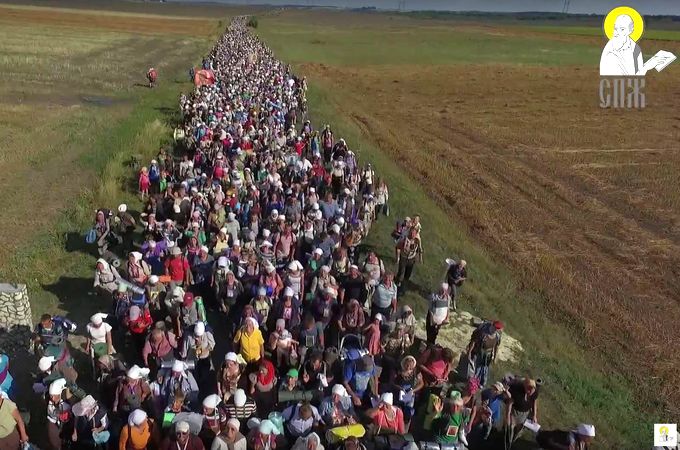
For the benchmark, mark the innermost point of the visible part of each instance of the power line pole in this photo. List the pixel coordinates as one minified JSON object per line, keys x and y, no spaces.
{"x":565,"y":8}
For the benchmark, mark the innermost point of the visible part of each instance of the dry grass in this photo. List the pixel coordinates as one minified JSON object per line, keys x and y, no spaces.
{"x":582,"y":202}
{"x":105,"y":21}
{"x":175,"y":10}
{"x":49,"y":127}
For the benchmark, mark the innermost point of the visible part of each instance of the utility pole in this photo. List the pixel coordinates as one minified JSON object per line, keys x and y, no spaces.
{"x":565,"y":8}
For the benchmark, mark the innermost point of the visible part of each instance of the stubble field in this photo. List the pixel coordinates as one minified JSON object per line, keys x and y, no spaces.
{"x":500,"y":125}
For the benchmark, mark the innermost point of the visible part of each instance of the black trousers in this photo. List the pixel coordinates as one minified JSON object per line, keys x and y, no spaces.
{"x":431,"y":330}
{"x":405,"y":269}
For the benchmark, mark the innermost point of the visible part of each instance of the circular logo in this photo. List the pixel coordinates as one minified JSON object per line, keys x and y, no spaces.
{"x":610,"y":22}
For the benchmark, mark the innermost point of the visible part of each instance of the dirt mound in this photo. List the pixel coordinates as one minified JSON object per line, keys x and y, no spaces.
{"x":456,"y":336}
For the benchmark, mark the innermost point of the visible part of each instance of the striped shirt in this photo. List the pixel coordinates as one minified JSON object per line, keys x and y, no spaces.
{"x":244,"y":412}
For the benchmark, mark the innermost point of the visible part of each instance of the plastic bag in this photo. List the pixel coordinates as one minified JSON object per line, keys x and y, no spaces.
{"x":91,"y":236}
{"x":102,"y":437}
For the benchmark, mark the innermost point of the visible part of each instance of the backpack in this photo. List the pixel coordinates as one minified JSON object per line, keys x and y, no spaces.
{"x":466,"y":367}
{"x":154,"y":173}
{"x":485,"y":341}
{"x":67,"y":325}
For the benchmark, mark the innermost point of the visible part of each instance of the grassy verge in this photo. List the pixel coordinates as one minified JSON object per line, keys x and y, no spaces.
{"x":80,"y":163}
{"x":575,"y":389}
{"x":57,"y":265}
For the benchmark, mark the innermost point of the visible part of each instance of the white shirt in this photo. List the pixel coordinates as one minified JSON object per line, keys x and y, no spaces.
{"x":98,"y":334}
{"x":437,"y":309}
{"x":294,"y":422}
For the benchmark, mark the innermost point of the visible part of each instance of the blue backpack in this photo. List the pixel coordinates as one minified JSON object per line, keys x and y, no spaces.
{"x":154,"y":173}
{"x":67,"y":325}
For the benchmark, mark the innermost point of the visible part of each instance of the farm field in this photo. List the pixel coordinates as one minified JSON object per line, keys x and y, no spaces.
{"x":568,"y":215}
{"x":63,"y":94}
{"x":74,"y":107}
{"x":494,"y":130}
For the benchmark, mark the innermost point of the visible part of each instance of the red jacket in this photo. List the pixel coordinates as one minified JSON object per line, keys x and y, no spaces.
{"x":140,"y":325}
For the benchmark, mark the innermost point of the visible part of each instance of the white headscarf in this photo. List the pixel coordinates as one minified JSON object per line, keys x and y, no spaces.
{"x":106,"y":269}
{"x":136,"y":418}
{"x":98,"y":318}
{"x":254,"y":321}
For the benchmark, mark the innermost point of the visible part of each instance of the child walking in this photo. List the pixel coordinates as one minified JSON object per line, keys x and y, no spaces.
{"x":144,"y":183}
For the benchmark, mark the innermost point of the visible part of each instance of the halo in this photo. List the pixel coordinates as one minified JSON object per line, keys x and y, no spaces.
{"x":638,"y":22}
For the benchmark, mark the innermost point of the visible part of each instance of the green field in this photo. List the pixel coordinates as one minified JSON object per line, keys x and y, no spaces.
{"x":414,"y":43}
{"x":74,"y":107}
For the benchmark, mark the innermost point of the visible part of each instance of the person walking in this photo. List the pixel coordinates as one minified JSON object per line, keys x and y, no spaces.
{"x":522,"y":404}
{"x":483,"y":348}
{"x":12,"y":428}
{"x":408,"y":251}
{"x":437,"y":313}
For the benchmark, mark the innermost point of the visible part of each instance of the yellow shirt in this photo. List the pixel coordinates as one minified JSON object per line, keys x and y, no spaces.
{"x":220,"y":245}
{"x":138,"y":439}
{"x":250,"y":344}
{"x":7,"y":422}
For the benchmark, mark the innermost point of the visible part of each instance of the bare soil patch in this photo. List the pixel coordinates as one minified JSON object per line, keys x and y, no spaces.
{"x":581,"y":201}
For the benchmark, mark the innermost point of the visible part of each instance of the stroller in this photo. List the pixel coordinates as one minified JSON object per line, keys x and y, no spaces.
{"x":350,"y":346}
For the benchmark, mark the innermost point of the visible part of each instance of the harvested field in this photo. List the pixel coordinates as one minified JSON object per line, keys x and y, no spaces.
{"x":596,"y":230}
{"x":109,"y":21}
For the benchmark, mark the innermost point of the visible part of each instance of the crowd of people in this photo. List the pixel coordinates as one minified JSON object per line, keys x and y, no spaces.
{"x":250,"y":316}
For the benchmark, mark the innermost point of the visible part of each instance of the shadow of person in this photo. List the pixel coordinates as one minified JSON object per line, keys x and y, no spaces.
{"x":75,"y":242}
{"x":78,"y":299}
{"x":362,"y":250}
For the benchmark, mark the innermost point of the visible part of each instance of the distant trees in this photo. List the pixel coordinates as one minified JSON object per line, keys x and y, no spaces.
{"x":252,"y":22}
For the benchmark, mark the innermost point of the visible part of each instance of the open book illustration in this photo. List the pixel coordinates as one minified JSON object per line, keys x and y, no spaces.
{"x":659,"y":61}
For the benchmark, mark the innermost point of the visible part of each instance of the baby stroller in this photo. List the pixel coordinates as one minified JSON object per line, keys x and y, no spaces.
{"x":351,"y":343}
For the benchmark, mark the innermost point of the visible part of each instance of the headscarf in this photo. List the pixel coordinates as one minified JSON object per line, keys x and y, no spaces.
{"x":354,"y":314}
{"x":107,"y":271}
{"x":254,"y":322}
{"x":271,"y":373}
{"x":136,"y":418}
{"x":98,"y":318}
